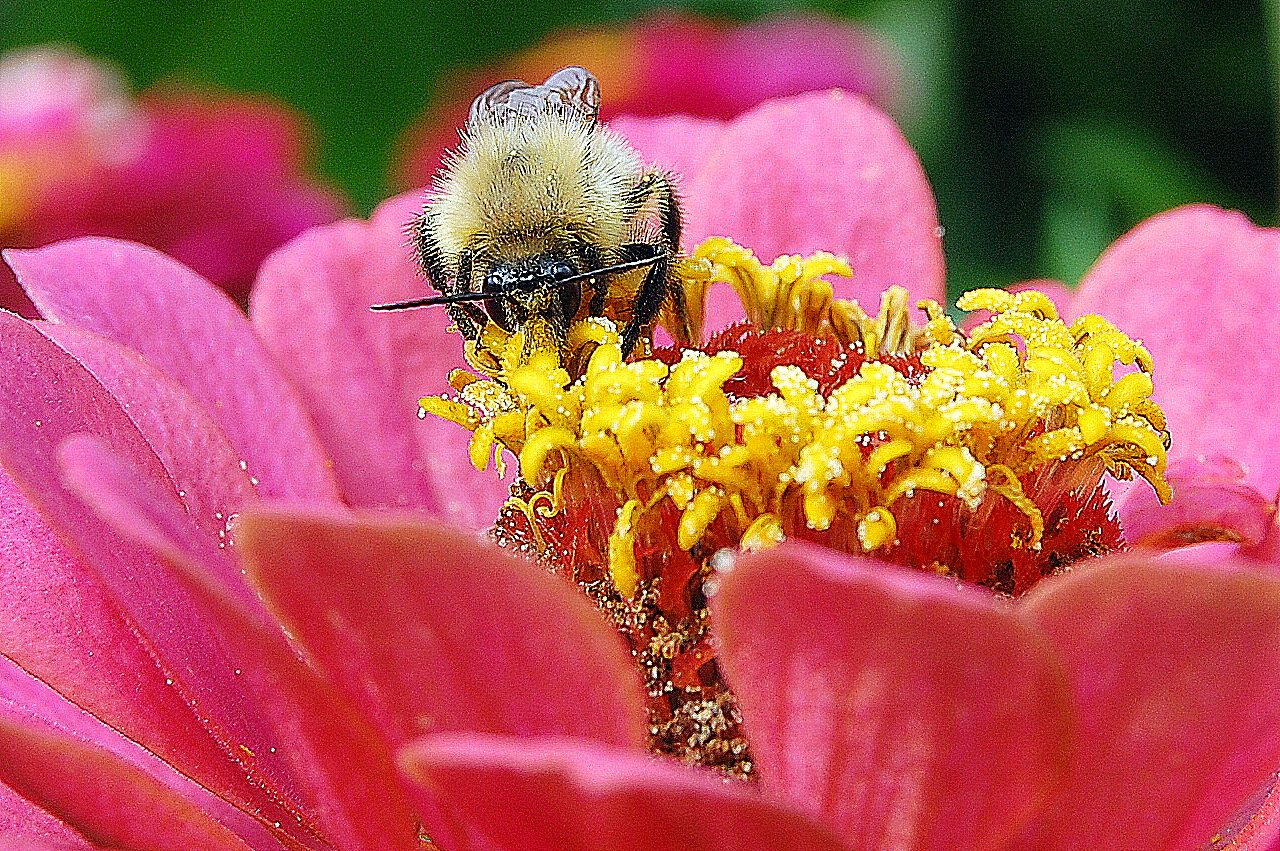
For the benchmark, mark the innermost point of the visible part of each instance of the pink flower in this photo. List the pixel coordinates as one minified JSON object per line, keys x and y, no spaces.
{"x":215,"y":180}
{"x":179,"y":535}
{"x":676,"y":63}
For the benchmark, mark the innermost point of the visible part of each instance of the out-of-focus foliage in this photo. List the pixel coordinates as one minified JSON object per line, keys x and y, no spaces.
{"x":1046,"y":127}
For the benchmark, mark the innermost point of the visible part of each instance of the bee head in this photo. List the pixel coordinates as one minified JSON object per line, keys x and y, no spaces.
{"x":547,"y":286}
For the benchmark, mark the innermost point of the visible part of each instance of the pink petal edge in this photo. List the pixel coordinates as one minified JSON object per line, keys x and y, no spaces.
{"x":179,"y":629}
{"x":362,"y":372}
{"x":904,"y":709}
{"x":1173,"y":665}
{"x":674,"y":143}
{"x":69,"y":574}
{"x":26,"y":826}
{"x":1200,"y":287}
{"x":199,"y":459}
{"x":334,"y":760}
{"x":191,"y":331}
{"x":552,"y":794}
{"x":429,"y":629}
{"x":824,"y":171}
{"x":1212,"y":500}
{"x":113,"y":803}
{"x":29,"y":703}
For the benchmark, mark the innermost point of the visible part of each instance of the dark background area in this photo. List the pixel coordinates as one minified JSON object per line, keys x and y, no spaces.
{"x":1047,"y":128}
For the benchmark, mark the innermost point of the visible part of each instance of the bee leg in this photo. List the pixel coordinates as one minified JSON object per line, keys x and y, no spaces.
{"x":599,"y":285}
{"x":671,"y":219}
{"x":669,"y":215}
{"x":682,"y":335}
{"x":653,"y":292}
{"x":468,"y":317}
{"x":599,"y":294}
{"x":656,"y":188}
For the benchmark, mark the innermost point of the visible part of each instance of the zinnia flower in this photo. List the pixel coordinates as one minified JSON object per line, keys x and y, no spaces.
{"x":186,"y":666}
{"x":215,"y":180}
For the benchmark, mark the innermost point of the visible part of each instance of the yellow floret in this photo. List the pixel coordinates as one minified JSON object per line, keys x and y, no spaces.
{"x":1021,"y":391}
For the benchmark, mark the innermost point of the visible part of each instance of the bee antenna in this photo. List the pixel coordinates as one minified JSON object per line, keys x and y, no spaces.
{"x":609,"y":270}
{"x":460,"y":298}
{"x":456,"y":298}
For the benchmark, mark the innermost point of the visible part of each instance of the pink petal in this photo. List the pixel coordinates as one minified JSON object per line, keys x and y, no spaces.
{"x":821,"y":171}
{"x":1211,"y":501}
{"x":193,"y":333}
{"x":61,"y":622}
{"x":112,"y":803}
{"x":46,"y":396}
{"x":24,"y":843}
{"x":344,"y":765}
{"x":195,"y":452}
{"x":675,"y":143}
{"x":428,"y":628}
{"x":29,"y":703}
{"x":1201,"y":287}
{"x":64,"y":120}
{"x":335,"y":758}
{"x":362,"y":372}
{"x":1256,"y":827}
{"x":61,"y":626}
{"x":136,"y":509}
{"x":907,"y":710}
{"x":59,"y":102}
{"x":1176,"y":672}
{"x":213,"y":180}
{"x":675,"y":64}
{"x":564,"y":795}
{"x":25,"y":826}
{"x":784,"y":54}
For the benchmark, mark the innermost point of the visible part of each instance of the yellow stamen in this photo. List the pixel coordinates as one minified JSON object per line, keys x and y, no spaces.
{"x":622,"y":551}
{"x":980,"y":416}
{"x":877,"y":529}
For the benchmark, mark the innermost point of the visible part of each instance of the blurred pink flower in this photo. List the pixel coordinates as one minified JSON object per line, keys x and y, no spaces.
{"x":215,"y":180}
{"x":178,"y":485}
{"x":675,"y":63}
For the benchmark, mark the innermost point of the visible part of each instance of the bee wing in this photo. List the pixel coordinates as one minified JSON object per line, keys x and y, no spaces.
{"x":577,"y":88}
{"x":572,"y":92}
{"x":492,"y":102}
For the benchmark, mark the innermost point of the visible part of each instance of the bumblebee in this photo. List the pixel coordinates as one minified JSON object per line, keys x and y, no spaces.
{"x":542,"y":217}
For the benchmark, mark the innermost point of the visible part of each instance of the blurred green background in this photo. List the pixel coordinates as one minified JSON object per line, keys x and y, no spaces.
{"x":1047,"y":128}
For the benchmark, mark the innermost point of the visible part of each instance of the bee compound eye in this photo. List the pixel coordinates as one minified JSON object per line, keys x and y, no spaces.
{"x":497,"y":310}
{"x":570,"y":299}
{"x":498,"y":282}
